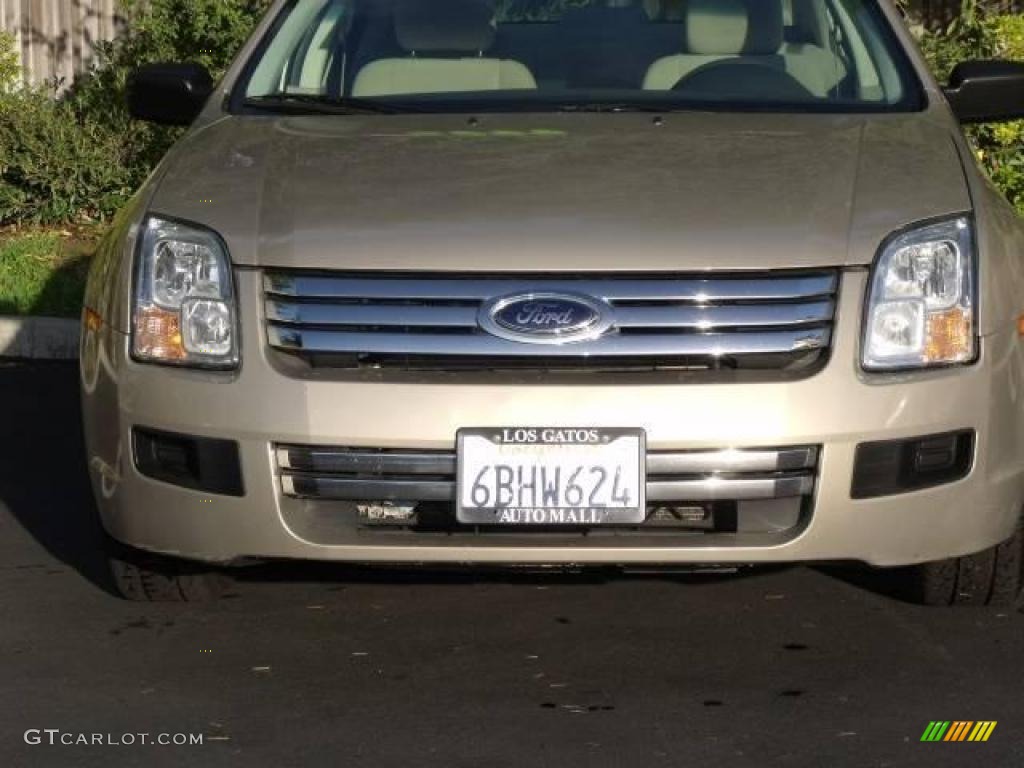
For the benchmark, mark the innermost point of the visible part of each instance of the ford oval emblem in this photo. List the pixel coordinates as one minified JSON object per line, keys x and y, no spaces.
{"x":546,"y":318}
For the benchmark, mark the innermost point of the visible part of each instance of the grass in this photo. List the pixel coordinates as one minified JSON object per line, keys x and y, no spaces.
{"x":42,"y":272}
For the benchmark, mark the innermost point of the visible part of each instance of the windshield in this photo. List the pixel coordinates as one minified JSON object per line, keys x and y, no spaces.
{"x":611,"y":55}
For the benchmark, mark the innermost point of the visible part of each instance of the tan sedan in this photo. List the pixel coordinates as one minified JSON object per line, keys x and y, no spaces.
{"x":705,"y":284}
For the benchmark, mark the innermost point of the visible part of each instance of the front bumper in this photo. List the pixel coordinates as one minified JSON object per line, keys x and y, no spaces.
{"x":836,"y":409}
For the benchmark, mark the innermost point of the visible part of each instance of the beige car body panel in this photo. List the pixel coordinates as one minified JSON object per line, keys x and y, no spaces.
{"x":697,"y":193}
{"x":412,"y":192}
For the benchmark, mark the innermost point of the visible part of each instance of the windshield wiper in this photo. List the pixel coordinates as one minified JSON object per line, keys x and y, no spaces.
{"x":599,"y":106}
{"x":306,"y":103}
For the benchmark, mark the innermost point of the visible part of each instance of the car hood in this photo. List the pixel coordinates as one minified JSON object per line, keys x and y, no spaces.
{"x":602,"y":192}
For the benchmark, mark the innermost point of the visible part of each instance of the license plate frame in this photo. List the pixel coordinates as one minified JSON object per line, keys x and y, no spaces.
{"x":559,"y":515}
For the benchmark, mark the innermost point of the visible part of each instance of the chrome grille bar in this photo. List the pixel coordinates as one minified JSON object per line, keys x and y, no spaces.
{"x":312,"y":459}
{"x":454,"y":316}
{"x":729,"y":489}
{"x":361,"y":489}
{"x":611,"y":288}
{"x":705,"y":462}
{"x":724,"y":317}
{"x":379,"y":314}
{"x":612,"y":345}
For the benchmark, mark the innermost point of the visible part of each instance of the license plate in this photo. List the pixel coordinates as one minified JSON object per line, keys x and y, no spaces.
{"x":551,"y":476}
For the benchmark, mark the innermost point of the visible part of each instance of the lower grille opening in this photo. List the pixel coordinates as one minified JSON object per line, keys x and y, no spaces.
{"x":334,"y":492}
{"x":728,"y":523}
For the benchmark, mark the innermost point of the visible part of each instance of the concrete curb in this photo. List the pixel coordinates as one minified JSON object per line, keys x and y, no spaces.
{"x":39,"y":338}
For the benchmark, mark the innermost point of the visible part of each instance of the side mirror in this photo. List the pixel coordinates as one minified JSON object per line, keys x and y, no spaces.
{"x":171,"y":94}
{"x":987,"y":91}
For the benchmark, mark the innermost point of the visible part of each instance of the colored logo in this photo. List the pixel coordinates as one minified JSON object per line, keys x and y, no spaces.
{"x":958,"y":730}
{"x":546,"y":318}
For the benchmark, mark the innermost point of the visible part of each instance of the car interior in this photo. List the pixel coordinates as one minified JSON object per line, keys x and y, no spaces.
{"x":781,"y":50}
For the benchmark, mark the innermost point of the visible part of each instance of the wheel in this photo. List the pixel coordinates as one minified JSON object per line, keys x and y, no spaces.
{"x":144,"y":577}
{"x":994,"y":578}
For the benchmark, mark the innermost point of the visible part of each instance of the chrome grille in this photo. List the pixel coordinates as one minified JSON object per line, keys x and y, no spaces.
{"x":348,"y":474}
{"x":772,"y":320}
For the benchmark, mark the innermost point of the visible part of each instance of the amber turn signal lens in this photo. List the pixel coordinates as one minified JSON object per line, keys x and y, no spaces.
{"x":158,"y":334}
{"x":93,"y":321}
{"x":949,"y":337}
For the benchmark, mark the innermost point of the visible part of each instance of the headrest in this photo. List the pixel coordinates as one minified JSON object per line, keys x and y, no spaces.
{"x":444,"y":25}
{"x":732,"y":27}
{"x":810,"y":22}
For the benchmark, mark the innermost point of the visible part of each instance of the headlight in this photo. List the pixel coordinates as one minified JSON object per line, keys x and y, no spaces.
{"x":920,"y":311}
{"x":184,"y":309}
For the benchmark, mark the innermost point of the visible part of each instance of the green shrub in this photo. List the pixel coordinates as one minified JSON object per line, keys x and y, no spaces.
{"x":80,"y":156}
{"x":56,"y":165}
{"x":10,"y":71}
{"x":979,"y":35}
{"x":209,"y":32}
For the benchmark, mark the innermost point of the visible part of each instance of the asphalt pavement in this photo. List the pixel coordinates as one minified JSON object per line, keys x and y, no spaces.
{"x":310,"y":665}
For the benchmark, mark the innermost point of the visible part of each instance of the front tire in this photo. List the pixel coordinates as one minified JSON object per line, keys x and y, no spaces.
{"x":993,"y":578}
{"x":145,"y":577}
